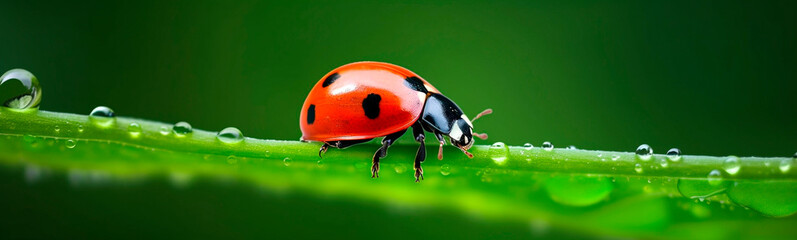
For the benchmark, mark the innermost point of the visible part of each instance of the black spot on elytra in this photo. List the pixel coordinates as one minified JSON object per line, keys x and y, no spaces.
{"x":416,"y":84}
{"x":311,"y":114}
{"x":330,"y":79}
{"x":371,"y":105}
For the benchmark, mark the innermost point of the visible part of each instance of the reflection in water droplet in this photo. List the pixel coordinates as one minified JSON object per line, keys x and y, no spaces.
{"x":102,"y":116}
{"x":164,"y":130}
{"x":180,"y":129}
{"x":230,"y":135}
{"x":638,"y":168}
{"x":547,"y":146}
{"x":134,"y":129}
{"x":785,"y":165}
{"x":287,"y":161}
{"x":70,"y":143}
{"x":674,"y":154}
{"x":714,"y":177}
{"x":19,"y":90}
{"x":498,"y":152}
{"x":644,"y":152}
{"x":445,"y":170}
{"x":732,"y":165}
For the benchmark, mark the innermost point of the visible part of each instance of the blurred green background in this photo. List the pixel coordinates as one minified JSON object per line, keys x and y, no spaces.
{"x":708,"y":78}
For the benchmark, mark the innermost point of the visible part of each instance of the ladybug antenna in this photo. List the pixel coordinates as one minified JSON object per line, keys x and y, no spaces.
{"x":485,"y":112}
{"x":482,"y":136}
{"x":470,"y":155}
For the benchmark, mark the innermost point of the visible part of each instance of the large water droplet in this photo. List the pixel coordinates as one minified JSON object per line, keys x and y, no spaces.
{"x":230,"y":135}
{"x":182,"y":128}
{"x":638,"y":168}
{"x":732,"y":165}
{"x":102,"y":116}
{"x":134,"y":129}
{"x":644,"y":152}
{"x":785,"y":165}
{"x":70,"y":143}
{"x":714,"y":177}
{"x":19,"y":89}
{"x":674,"y":154}
{"x":445,"y":169}
{"x":498,"y":152}
{"x":528,"y":146}
{"x":287,"y":161}
{"x":547,"y":146}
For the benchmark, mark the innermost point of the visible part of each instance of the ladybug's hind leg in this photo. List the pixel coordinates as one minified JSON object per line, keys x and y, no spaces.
{"x":382,"y":151}
{"x":323,"y":150}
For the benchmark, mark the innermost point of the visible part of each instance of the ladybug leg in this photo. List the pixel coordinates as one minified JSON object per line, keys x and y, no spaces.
{"x":417,"y":131}
{"x":382,"y":151}
{"x":442,"y":142}
{"x":323,"y":149}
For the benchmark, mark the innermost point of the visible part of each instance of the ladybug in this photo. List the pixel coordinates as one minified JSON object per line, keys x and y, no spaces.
{"x":360,"y":101}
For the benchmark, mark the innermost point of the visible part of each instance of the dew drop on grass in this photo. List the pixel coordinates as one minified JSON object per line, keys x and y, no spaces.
{"x":638,"y":168}
{"x":320,"y":163}
{"x":547,"y":146}
{"x":528,"y":146}
{"x":230,"y":135}
{"x":400,"y":169}
{"x":164,"y":130}
{"x":732,"y":165}
{"x":287,"y":161}
{"x":615,"y":157}
{"x":70,"y":143}
{"x":102,"y":116}
{"x":57,"y":129}
{"x":232,"y":159}
{"x":674,"y":154}
{"x":785,"y":165}
{"x":181,"y":129}
{"x":445,"y":170}
{"x":80,"y":128}
{"x":498,"y":152}
{"x":644,"y":152}
{"x":714,"y":177}
{"x":20,"y":90}
{"x":134,"y":129}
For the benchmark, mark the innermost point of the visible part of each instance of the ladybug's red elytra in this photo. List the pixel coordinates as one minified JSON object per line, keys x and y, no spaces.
{"x":361,"y":101}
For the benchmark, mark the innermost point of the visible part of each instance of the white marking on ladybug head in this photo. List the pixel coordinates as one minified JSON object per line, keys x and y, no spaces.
{"x":467,"y":120}
{"x":455,"y":133}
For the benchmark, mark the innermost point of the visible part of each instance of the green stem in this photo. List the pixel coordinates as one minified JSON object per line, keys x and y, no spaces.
{"x":44,"y":123}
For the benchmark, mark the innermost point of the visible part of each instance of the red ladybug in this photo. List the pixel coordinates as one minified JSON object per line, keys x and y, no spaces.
{"x":361,"y":101}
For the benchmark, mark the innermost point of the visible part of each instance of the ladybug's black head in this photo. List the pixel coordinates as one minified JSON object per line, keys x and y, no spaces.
{"x":444,"y":116}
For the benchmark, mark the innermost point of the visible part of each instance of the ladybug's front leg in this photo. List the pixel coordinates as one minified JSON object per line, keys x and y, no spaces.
{"x":417,"y":132}
{"x":382,"y":151}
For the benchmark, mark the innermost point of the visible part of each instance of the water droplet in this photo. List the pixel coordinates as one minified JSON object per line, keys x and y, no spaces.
{"x":528,"y":146}
{"x":638,"y":168}
{"x":287,"y":161}
{"x":320,"y":163}
{"x":70,"y":143}
{"x":102,"y":116}
{"x":674,"y":154}
{"x":400,"y":169}
{"x":57,"y":129}
{"x":663,"y":163}
{"x":547,"y":146}
{"x":19,"y":89}
{"x":644,"y":152}
{"x":571,"y":147}
{"x":732,"y":165}
{"x":80,"y":128}
{"x":785,"y":165}
{"x":182,"y":128}
{"x":134,"y":129}
{"x":445,"y":170}
{"x":230,"y":135}
{"x":498,"y":152}
{"x":164,"y":130}
{"x":232,"y":159}
{"x":714,"y":177}
{"x":615,"y":157}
